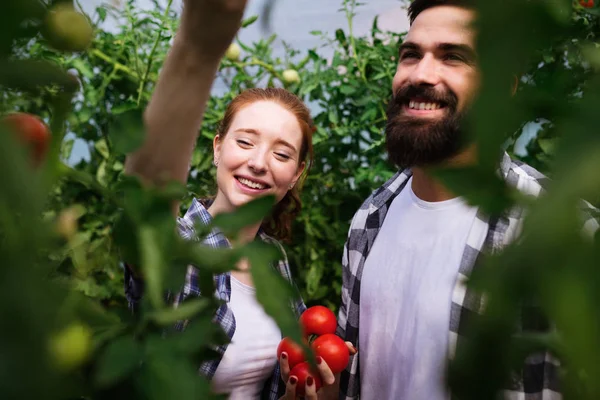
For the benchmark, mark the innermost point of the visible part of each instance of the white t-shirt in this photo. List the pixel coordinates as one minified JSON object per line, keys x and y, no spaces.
{"x":405,"y":298}
{"x":252,"y":354}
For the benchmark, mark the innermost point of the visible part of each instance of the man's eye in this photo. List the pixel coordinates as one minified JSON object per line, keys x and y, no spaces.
{"x":409,"y":54}
{"x":454,"y":57}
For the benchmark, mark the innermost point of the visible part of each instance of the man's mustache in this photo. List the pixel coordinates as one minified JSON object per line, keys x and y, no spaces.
{"x":428,"y":94}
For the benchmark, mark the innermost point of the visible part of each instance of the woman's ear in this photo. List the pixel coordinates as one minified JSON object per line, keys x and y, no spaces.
{"x":216,"y":149}
{"x":301,"y":168}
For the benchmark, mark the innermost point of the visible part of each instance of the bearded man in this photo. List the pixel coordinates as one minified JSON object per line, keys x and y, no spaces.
{"x":413,"y":242}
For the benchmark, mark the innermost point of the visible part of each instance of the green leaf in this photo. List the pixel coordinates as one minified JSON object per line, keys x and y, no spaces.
{"x":119,"y":359}
{"x":480,"y":187}
{"x":248,"y":214}
{"x":153,"y":264}
{"x":273,"y":292}
{"x":347,"y":90}
{"x":102,"y":148}
{"x":66,"y":149}
{"x":173,"y":378}
{"x":121,"y":108}
{"x":184,"y":311}
{"x":126,"y":132}
{"x":548,"y":146}
{"x":200,"y":332}
{"x":249,"y":21}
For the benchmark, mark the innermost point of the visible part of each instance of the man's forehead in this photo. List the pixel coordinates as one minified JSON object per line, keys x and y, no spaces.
{"x":448,"y":24}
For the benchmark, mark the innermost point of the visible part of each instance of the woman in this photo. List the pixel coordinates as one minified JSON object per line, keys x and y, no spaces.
{"x":263,"y":146}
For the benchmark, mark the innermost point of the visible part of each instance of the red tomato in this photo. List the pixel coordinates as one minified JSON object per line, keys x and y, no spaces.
{"x":318,"y":320}
{"x":293,"y":350}
{"x":587,"y":3}
{"x":32,"y":131}
{"x":333,"y":350}
{"x":302,"y":371}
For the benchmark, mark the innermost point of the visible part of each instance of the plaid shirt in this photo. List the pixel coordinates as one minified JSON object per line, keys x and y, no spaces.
{"x":539,"y":375}
{"x":197,"y":214}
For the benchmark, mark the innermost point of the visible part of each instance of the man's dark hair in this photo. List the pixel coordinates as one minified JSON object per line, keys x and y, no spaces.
{"x":418,"y":6}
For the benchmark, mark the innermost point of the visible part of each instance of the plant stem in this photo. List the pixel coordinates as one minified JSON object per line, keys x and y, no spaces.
{"x":116,"y":64}
{"x":152,"y":52}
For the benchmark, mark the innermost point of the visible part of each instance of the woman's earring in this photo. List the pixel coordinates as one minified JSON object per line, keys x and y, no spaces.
{"x":291,"y":186}
{"x":215,"y":163}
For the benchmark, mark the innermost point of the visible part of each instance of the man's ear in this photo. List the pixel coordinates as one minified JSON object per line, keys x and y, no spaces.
{"x":515,"y":85}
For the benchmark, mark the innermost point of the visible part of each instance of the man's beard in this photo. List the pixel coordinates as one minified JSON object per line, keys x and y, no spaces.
{"x":413,"y":141}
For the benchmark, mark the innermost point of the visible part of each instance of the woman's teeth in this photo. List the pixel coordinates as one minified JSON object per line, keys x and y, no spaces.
{"x":252,"y":184}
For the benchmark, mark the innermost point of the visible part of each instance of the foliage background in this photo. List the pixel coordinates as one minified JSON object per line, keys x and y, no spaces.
{"x":348,"y":90}
{"x":556,"y":57}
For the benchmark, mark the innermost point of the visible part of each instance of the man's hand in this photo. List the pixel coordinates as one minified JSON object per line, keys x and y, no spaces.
{"x":210,"y":25}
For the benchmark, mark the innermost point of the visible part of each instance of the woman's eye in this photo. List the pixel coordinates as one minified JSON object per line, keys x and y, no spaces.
{"x":282,"y":156}
{"x":243,"y":143}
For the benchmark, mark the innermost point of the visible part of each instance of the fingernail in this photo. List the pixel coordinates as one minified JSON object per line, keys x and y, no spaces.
{"x":319,"y":360}
{"x":354,"y":349}
{"x":284,"y":356}
{"x":310,"y":381}
{"x":293,"y":380}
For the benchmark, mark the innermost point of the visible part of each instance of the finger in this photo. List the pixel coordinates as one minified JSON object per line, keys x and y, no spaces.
{"x":284,"y":366}
{"x":326,"y":375}
{"x":351,"y":348}
{"x":310,"y":389}
{"x":290,"y":388}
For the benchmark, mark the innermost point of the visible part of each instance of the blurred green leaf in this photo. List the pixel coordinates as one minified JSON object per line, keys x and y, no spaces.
{"x":120,"y":358}
{"x":246,"y":215}
{"x":184,"y":311}
{"x":127,"y":130}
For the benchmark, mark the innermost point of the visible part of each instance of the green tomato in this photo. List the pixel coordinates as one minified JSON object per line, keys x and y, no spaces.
{"x":71,"y":347}
{"x":67,"y":30}
{"x":290,"y":76}
{"x":233,"y":52}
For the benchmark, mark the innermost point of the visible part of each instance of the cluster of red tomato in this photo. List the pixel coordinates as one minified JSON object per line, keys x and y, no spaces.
{"x":586,"y":3}
{"x":318,"y":325}
{"x":32,"y":132}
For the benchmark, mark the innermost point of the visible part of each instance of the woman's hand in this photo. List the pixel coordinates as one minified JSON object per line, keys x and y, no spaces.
{"x":330,"y":388}
{"x":174,"y":114}
{"x":209,"y":26}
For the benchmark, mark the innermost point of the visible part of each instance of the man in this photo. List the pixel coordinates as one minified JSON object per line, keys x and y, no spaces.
{"x":412,"y":243}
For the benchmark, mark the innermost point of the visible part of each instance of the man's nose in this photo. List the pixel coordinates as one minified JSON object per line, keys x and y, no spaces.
{"x":426,"y":72}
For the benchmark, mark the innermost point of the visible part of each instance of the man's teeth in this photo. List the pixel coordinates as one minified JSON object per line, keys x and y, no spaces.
{"x":252,"y":184}
{"x":423,"y":106}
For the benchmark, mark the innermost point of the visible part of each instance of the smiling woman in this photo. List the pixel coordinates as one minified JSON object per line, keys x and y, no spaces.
{"x":263,"y":146}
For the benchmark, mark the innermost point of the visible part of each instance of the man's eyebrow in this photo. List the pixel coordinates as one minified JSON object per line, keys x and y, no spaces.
{"x":462,"y":48}
{"x":465,"y":49}
{"x":408,"y":46}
